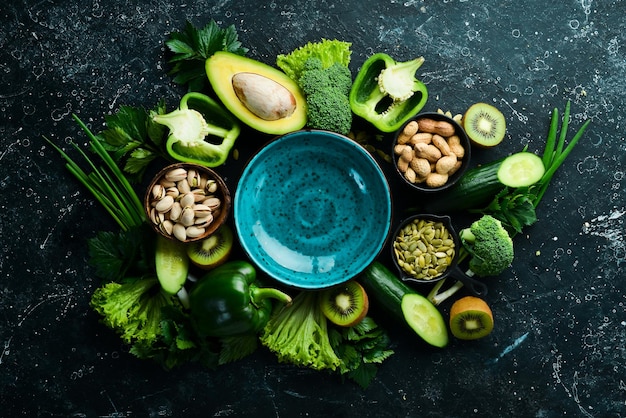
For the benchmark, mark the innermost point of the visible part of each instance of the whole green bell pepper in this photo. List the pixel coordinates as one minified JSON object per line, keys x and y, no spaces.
{"x":201,"y":130}
{"x":227,"y":301}
{"x":386,"y":93}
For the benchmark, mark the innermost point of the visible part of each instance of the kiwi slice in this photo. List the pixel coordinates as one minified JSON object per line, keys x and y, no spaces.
{"x":484,"y":125}
{"x":213,"y":250}
{"x":344,"y":305}
{"x":470,"y":318}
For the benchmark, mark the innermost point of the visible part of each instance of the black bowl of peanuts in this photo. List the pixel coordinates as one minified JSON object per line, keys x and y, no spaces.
{"x":431,"y":152}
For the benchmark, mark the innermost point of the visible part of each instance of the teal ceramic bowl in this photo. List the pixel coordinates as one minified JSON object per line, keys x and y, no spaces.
{"x":312,"y":209}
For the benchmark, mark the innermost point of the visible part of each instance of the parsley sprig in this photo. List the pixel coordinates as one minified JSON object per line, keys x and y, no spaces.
{"x":193,"y":46}
{"x":361,"y":348}
{"x":134,"y":139}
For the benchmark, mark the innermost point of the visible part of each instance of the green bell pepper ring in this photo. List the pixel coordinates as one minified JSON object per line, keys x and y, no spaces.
{"x":227,"y":301}
{"x":386,"y":93}
{"x":201,"y":130}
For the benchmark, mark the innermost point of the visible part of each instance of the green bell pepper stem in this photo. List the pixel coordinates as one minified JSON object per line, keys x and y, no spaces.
{"x":201,"y":130}
{"x":259,"y":294}
{"x":227,"y":301}
{"x":386,"y":93}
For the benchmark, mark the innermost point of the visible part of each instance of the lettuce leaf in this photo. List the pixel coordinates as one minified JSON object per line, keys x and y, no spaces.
{"x":328,"y":51}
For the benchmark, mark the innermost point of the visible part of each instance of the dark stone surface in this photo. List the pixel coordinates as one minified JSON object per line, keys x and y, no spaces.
{"x":559,"y":344}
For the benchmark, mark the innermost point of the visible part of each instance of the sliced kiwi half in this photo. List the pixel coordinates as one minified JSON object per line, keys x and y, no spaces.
{"x":470,"y":318}
{"x":484,"y":125}
{"x":345,"y":304}
{"x":213,"y":250}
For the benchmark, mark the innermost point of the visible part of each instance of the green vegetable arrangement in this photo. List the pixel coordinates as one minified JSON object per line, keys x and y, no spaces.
{"x":514,"y":208}
{"x":149,"y":295}
{"x":321,"y":70}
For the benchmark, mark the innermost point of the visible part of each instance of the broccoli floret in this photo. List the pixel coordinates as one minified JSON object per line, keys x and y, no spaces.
{"x":326,"y":91}
{"x":490,"y":246}
{"x":340,"y":77}
{"x":328,"y":113}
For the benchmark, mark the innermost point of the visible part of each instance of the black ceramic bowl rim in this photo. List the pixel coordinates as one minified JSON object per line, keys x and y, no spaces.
{"x":222,"y":190}
{"x":476,"y":287}
{"x":465,"y":161}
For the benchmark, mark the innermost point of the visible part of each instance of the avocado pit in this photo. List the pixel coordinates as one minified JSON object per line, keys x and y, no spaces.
{"x":266,"y":98}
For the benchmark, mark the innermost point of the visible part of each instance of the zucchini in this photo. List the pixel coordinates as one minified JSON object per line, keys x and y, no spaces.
{"x":479,"y":185}
{"x":405,"y":304}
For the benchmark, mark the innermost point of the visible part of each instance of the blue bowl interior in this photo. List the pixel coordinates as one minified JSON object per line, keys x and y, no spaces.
{"x":312,"y":209}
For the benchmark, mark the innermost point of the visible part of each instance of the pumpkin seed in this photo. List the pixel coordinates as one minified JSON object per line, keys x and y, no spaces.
{"x":424,"y":249}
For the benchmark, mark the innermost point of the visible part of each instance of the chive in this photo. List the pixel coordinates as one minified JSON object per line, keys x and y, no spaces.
{"x":107,"y":184}
{"x":548,"y":152}
{"x":564,"y":126}
{"x":104,"y":155}
{"x":559,"y":154}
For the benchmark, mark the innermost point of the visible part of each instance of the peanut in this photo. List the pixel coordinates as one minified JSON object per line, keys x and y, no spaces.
{"x":403,"y":165}
{"x":445,"y":164}
{"x":423,"y":137}
{"x":454,"y":143}
{"x":440,"y":127}
{"x":407,"y":154}
{"x":436,"y":180}
{"x":455,"y":168}
{"x":410,"y":175}
{"x":442,"y":144}
{"x":409,"y":130}
{"x":399,"y":148}
{"x":421,"y":166}
{"x":430,"y":152}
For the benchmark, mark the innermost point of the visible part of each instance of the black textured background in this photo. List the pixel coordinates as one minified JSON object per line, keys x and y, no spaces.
{"x":559,"y":344}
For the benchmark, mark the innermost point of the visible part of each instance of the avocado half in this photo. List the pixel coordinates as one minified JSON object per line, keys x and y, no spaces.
{"x":222,"y":66}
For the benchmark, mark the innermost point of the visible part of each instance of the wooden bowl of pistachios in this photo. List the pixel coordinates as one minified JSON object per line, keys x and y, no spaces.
{"x":187,"y":202}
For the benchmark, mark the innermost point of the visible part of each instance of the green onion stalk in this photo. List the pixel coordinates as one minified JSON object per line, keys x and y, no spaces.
{"x":106,"y":183}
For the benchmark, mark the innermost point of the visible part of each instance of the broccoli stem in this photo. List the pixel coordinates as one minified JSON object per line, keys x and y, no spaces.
{"x":183,"y":296}
{"x":437,"y":297}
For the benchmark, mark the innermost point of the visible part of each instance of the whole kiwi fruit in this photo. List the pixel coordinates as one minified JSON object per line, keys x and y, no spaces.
{"x":345,"y":304}
{"x":213,"y":250}
{"x":470,"y":318}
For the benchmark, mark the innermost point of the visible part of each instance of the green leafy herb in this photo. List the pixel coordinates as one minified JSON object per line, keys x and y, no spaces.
{"x":134,"y":139}
{"x":116,"y":255}
{"x":106,"y":183}
{"x":361,"y":349}
{"x":237,"y":347}
{"x":177,"y":343}
{"x":514,"y":210}
{"x":193,"y":46}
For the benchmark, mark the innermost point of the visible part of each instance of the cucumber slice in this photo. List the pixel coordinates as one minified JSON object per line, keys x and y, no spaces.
{"x":172,"y":264}
{"x":425,"y":319}
{"x":522,"y":169}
